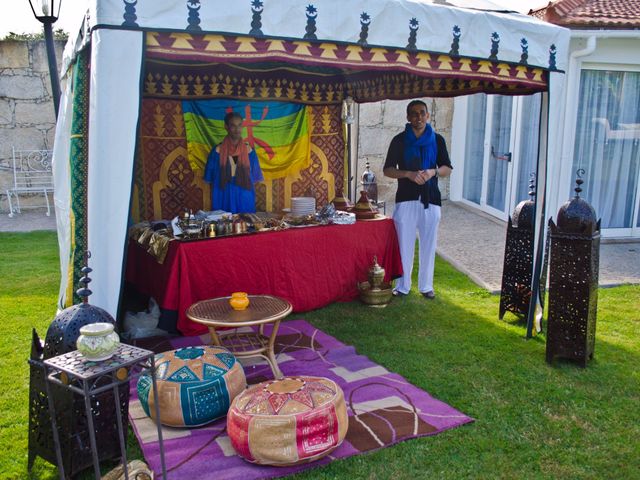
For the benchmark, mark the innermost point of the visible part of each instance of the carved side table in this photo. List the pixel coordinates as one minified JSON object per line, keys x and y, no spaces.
{"x":88,"y":378}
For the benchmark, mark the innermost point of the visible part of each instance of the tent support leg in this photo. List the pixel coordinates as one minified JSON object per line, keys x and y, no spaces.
{"x":540,"y":213}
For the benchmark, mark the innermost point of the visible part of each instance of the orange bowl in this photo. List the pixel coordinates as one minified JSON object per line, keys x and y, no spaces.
{"x":239,"y":300}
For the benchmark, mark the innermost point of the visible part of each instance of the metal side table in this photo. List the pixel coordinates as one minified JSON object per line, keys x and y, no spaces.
{"x":88,"y":378}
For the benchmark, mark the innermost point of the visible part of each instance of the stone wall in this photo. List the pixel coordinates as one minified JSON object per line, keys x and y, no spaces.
{"x":27,"y":118}
{"x":379,"y":122}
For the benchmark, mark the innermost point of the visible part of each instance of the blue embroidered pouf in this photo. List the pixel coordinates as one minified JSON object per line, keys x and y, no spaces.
{"x":195,"y":385}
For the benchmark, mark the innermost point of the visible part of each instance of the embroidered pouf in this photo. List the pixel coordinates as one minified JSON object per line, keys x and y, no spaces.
{"x":195,"y":385}
{"x":288,"y":421}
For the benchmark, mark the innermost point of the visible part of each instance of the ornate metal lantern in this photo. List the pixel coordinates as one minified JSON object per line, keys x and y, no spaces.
{"x":71,"y":419}
{"x":369,"y":183}
{"x":573,"y":280}
{"x":517,"y":270}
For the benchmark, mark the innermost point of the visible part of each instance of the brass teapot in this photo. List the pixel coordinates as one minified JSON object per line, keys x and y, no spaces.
{"x":376,"y":274}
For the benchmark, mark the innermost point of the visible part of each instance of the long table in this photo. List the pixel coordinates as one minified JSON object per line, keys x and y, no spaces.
{"x":310,"y":267}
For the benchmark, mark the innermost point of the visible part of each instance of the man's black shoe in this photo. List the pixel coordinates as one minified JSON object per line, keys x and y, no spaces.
{"x":429,"y":295}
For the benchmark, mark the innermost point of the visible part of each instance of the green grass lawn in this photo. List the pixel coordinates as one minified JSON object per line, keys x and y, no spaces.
{"x":532,"y":420}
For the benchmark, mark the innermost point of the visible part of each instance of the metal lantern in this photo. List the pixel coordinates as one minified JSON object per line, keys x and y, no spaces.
{"x":517,"y":270}
{"x":573,"y":280}
{"x":65,"y":328}
{"x":369,"y":183}
{"x":70,"y":410}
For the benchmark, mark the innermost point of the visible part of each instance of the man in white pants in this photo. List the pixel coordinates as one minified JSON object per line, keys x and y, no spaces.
{"x":416,"y":158}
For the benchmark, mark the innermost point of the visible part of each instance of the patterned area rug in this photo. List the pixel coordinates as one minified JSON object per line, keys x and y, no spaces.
{"x":383,"y":409}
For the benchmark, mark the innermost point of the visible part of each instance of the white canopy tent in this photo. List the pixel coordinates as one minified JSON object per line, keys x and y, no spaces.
{"x":483,"y":50}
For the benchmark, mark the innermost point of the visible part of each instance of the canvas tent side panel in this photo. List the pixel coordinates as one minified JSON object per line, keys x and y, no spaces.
{"x":113,"y":116}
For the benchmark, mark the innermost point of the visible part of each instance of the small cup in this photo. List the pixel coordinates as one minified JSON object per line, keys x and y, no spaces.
{"x":239,"y":300}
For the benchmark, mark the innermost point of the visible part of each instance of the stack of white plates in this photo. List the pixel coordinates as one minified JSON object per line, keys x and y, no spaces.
{"x":301,"y":206}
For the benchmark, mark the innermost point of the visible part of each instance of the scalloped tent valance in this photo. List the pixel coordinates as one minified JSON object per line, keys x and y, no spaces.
{"x":186,"y":65}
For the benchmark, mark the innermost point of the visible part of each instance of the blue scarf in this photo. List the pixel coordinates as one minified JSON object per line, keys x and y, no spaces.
{"x":421,"y":154}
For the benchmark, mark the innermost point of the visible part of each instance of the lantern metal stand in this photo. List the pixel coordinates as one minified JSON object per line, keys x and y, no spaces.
{"x":517,"y":270}
{"x":573,"y":281}
{"x":90,"y":380}
{"x":71,"y":421}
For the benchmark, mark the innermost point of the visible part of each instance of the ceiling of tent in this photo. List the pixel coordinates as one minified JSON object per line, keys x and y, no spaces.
{"x":320,"y":52}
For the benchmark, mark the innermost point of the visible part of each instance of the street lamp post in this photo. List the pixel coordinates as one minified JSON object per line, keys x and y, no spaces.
{"x":46,"y":13}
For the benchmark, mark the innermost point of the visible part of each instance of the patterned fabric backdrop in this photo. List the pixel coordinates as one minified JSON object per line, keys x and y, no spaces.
{"x":164,"y":184}
{"x":186,"y":65}
{"x":78,"y":159}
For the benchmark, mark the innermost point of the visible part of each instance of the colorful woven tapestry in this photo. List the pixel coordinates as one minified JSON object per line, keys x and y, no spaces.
{"x":277,"y":131}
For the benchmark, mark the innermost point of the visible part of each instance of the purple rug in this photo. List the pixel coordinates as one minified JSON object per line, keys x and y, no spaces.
{"x":383,"y":408}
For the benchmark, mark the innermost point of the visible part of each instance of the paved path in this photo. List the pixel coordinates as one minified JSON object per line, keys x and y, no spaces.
{"x":473,"y":243}
{"x":28,"y":221}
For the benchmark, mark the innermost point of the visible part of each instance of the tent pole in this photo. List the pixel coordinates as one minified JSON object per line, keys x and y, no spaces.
{"x":541,"y":189}
{"x":349,"y":167}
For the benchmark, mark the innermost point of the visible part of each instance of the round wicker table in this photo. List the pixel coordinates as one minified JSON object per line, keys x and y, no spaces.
{"x":216,"y":313}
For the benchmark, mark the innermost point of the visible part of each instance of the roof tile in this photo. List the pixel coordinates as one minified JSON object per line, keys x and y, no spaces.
{"x":612,"y":14}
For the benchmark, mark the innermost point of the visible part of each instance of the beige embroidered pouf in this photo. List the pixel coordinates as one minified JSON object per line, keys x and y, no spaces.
{"x":288,"y":421}
{"x":195,"y":385}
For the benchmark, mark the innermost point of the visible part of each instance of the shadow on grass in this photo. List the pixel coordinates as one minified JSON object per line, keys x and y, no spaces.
{"x":456,"y":348}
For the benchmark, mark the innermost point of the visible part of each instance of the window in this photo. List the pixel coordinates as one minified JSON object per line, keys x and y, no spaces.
{"x":607,"y":144}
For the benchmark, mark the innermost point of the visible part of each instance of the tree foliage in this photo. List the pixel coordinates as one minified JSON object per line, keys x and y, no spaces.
{"x":58,"y":34}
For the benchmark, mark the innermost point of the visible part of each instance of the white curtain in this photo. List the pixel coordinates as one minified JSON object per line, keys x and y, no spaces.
{"x":62,"y":183}
{"x":607,"y":144}
{"x":474,"y":148}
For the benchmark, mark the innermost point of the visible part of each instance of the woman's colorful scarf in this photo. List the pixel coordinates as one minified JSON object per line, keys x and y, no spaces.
{"x":241,"y":152}
{"x":421,"y":154}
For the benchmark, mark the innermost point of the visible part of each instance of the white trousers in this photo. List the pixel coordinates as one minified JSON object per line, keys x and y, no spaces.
{"x":410,"y":217}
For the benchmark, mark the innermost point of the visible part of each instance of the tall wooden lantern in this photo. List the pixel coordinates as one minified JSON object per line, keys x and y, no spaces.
{"x":573,"y":281}
{"x":517,"y":269}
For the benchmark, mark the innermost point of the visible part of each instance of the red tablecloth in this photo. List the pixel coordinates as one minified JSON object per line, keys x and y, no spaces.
{"x":310,"y":267}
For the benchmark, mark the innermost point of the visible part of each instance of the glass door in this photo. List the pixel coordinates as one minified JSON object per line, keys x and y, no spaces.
{"x":498,"y":183}
{"x":501,"y":151}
